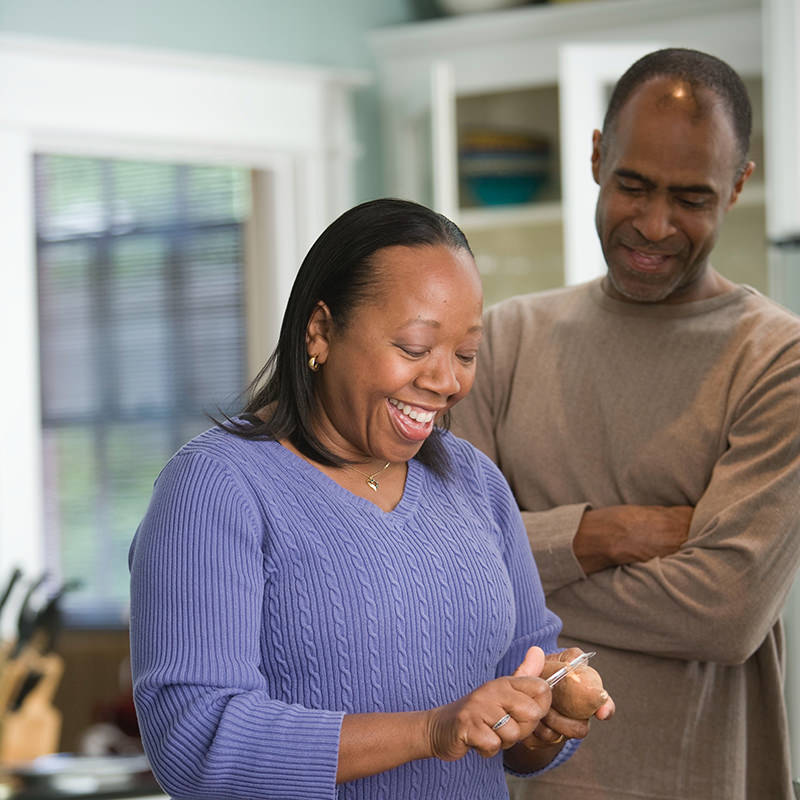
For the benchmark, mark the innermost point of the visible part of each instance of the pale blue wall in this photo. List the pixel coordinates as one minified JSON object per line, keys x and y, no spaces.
{"x":329,"y":32}
{"x":322,"y":32}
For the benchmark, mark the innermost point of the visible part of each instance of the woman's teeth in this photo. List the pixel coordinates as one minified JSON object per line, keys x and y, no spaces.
{"x":415,"y":413}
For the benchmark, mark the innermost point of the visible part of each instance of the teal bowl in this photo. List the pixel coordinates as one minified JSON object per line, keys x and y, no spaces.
{"x":498,"y":190}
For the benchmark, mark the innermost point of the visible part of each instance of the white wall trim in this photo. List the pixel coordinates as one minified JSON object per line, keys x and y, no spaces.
{"x":291,"y":123}
{"x":781,"y":32}
{"x":585,"y":71}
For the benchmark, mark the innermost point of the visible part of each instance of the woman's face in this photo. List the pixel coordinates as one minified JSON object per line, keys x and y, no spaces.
{"x":406,"y":355}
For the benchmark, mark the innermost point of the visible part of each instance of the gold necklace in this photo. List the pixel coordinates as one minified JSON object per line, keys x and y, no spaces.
{"x":371,"y":482}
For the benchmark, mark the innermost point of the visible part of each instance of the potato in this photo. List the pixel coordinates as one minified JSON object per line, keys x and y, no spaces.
{"x":580,"y":693}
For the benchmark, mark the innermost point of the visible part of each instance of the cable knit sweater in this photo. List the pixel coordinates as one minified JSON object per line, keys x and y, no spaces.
{"x":267,"y":601}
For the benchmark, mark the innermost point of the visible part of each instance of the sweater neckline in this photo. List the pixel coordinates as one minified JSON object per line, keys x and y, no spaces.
{"x":665,"y":310}
{"x":326,"y":486}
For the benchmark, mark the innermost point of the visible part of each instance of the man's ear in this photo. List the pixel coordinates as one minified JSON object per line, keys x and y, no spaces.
{"x":597,"y":141}
{"x":318,"y":332}
{"x":746,"y":172}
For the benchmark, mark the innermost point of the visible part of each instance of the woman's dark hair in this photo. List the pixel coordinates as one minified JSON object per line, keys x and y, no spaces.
{"x":340,"y":270}
{"x":700,"y":71}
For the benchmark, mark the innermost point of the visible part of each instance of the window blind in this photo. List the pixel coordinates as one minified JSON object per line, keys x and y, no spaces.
{"x":142,"y":333}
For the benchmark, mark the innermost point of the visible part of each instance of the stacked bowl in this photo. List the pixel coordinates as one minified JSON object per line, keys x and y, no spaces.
{"x":499,"y":167}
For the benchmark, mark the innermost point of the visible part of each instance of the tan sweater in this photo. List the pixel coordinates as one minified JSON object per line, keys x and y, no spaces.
{"x":586,"y":401}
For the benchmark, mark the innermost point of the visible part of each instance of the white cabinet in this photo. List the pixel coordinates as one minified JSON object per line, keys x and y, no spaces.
{"x":546,"y":70}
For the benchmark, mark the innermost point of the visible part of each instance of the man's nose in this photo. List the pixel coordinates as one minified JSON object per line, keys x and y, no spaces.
{"x":654,"y":219}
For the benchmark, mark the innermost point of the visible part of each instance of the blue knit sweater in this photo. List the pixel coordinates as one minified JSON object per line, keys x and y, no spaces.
{"x":267,"y":601}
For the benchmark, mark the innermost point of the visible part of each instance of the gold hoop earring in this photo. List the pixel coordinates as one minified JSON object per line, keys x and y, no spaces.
{"x":312,"y":364}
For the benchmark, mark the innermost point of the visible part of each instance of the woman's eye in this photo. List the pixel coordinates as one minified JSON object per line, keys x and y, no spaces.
{"x":466,"y":358}
{"x":414,"y":352}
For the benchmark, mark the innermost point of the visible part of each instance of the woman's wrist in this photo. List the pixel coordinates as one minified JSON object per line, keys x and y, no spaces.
{"x":373,"y":743}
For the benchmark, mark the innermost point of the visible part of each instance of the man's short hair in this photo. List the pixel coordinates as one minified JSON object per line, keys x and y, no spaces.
{"x":700,"y":71}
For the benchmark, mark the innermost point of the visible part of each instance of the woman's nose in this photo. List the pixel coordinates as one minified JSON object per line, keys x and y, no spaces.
{"x":440,"y":376}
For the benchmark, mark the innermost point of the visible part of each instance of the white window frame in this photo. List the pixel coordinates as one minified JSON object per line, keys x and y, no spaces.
{"x":292,"y":125}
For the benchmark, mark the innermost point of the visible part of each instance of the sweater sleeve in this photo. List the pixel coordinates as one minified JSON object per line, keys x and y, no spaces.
{"x":716,"y":598}
{"x":550,"y":536}
{"x":209,"y":726}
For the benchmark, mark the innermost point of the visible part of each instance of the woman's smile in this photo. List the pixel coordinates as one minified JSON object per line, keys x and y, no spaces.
{"x":412,"y":422}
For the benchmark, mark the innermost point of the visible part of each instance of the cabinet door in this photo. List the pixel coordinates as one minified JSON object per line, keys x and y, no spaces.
{"x":587,"y":74}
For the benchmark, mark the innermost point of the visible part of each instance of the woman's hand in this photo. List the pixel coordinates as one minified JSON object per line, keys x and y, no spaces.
{"x":563,"y":721}
{"x":468,"y":722}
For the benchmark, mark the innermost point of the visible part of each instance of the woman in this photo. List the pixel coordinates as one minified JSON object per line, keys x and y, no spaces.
{"x":330,"y":590}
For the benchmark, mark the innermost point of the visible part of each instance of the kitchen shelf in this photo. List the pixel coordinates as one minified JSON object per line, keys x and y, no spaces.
{"x":490,"y":217}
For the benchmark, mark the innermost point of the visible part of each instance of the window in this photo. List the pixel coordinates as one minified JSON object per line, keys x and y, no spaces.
{"x":141,"y":319}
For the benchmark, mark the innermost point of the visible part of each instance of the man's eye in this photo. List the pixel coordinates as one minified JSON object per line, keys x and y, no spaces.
{"x":693,"y":202}
{"x":630,"y":188}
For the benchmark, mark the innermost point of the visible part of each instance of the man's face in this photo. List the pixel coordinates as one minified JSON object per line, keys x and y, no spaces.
{"x":667,"y":173}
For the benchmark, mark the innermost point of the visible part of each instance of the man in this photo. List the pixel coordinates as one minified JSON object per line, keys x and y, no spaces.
{"x":649,"y":425}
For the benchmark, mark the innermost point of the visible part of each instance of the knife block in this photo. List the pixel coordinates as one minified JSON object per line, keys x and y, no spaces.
{"x":33,"y":729}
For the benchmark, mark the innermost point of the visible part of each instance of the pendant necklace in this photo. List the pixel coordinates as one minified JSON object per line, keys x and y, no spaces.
{"x":371,"y":482}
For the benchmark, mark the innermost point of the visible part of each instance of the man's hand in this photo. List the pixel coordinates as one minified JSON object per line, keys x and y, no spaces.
{"x":608,"y":537}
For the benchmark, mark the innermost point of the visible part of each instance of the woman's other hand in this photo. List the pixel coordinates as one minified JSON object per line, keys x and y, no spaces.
{"x":563,"y":720}
{"x":472,"y":721}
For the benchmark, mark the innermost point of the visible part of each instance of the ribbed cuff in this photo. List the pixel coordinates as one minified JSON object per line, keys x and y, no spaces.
{"x":296,"y":758}
{"x":551,"y":534}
